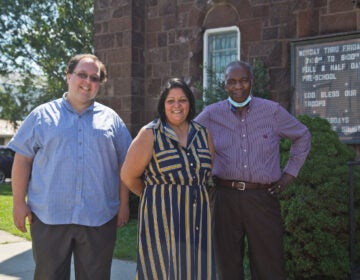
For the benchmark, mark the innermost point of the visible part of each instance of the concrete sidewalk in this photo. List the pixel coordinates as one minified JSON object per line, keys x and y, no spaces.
{"x":16,"y":261}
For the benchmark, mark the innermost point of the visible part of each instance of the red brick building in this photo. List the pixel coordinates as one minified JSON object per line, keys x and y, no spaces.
{"x":143,"y":43}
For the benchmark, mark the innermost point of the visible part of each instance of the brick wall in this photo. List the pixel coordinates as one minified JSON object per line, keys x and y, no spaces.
{"x":145,"y":42}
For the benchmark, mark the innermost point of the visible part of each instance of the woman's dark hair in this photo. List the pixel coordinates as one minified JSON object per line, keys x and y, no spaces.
{"x":176,"y":83}
{"x":76,"y":59}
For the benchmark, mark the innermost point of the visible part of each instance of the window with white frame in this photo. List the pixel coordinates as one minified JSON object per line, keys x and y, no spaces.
{"x":221,"y":46}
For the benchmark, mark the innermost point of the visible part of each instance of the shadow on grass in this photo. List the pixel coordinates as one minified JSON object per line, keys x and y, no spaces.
{"x":5,"y":189}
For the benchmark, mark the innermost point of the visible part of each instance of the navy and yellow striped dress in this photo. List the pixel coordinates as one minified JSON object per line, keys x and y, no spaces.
{"x":174,"y":213}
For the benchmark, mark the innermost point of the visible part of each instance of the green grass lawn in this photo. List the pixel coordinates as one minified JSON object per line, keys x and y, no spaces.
{"x":126,"y":243}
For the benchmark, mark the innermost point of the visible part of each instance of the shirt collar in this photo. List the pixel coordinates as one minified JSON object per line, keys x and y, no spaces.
{"x":233,"y":108}
{"x":170,"y":133}
{"x":70,"y":108}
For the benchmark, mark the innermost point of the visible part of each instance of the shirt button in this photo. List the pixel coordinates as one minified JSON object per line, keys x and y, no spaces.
{"x":197,"y":228}
{"x":245,"y":166}
{"x":191,"y":164}
{"x":244,"y":135}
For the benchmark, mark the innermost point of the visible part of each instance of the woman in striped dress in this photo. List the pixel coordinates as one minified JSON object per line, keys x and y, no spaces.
{"x":167,"y":165}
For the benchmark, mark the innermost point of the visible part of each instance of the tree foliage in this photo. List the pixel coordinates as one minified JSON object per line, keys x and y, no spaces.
{"x":37,"y":38}
{"x":262,"y":80}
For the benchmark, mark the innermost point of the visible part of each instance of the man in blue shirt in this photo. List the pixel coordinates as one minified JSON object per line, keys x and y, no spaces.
{"x":68,"y":156}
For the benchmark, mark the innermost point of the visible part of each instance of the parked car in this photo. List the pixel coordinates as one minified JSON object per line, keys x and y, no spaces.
{"x":6,"y":161}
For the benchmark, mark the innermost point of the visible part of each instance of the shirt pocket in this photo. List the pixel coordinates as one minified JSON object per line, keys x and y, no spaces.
{"x":169,"y":161}
{"x":101,"y":140}
{"x":101,"y":134}
{"x":265,"y":141}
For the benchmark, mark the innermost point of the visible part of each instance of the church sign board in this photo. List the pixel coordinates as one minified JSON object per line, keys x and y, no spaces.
{"x":326,"y":82}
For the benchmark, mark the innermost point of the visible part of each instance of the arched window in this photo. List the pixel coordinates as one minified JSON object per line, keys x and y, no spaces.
{"x":221,"y":46}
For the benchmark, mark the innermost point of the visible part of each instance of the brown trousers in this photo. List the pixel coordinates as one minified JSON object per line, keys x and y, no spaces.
{"x":256,"y":215}
{"x":54,"y":245}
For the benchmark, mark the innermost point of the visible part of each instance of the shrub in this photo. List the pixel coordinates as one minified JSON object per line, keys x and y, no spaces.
{"x":316,"y":207}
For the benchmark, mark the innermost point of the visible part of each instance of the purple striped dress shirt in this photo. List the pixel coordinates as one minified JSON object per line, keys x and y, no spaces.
{"x":247,"y":143}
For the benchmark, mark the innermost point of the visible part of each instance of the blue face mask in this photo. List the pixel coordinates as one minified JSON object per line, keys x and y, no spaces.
{"x":240,"y":105}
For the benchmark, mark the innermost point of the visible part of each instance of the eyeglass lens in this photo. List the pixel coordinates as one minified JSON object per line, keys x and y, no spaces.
{"x":84,"y":76}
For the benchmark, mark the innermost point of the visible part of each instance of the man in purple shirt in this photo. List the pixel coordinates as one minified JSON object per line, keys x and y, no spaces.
{"x":246,"y":131}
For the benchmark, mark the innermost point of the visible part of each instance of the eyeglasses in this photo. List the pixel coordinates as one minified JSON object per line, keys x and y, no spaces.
{"x":84,"y":76}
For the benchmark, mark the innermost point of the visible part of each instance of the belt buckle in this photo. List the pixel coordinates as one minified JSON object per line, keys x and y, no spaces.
{"x":240,"y":186}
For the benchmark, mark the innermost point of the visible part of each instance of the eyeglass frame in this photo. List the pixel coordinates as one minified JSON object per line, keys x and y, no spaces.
{"x":85,"y":76}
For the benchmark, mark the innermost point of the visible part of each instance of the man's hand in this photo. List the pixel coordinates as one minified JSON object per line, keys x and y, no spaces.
{"x":20,"y":212}
{"x":281,"y":184}
{"x":123,"y":215}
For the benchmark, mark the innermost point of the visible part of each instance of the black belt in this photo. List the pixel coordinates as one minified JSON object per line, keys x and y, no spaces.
{"x":239,"y":185}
